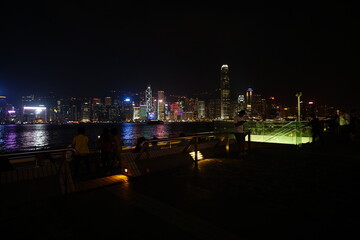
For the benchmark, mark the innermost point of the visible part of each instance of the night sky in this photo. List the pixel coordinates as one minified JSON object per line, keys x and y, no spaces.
{"x":90,"y":47}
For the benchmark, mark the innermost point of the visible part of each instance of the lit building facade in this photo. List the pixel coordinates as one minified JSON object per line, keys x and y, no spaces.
{"x":36,"y":114}
{"x":249,"y":100}
{"x":85,"y":112}
{"x":201,"y":110}
{"x":225,"y":92}
{"x":175,"y":111}
{"x":161,"y":105}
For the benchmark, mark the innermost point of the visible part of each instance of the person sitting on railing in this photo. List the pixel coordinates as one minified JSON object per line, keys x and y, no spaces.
{"x":154,"y":144}
{"x":183,"y":142}
{"x":139,"y":145}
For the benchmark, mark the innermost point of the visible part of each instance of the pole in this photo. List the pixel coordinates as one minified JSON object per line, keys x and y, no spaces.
{"x":298,"y":132}
{"x":298,"y":95}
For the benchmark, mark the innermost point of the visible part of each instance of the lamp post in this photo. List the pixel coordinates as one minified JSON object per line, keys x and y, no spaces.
{"x":298,"y":131}
{"x":298,"y":95}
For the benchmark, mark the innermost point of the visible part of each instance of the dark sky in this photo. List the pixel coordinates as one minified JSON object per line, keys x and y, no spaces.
{"x":88,"y":48}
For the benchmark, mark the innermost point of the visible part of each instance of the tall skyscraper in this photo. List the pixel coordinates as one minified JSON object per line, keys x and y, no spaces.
{"x":107,"y":101}
{"x":149,"y":102}
{"x":161,"y":105}
{"x":249,"y":100}
{"x":225,"y":92}
{"x":241,"y":103}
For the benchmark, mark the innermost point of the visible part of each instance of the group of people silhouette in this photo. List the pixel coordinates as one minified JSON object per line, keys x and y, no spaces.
{"x":110,"y":146}
{"x":344,"y":126}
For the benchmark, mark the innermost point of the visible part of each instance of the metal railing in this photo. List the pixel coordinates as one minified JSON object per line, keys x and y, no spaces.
{"x":36,"y":159}
{"x":59,"y":159}
{"x":189,"y":142}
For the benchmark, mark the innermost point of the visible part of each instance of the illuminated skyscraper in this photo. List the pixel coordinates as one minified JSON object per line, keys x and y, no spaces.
{"x":107,"y":101}
{"x":201,"y":110}
{"x":149,"y":103}
{"x":225,"y":92}
{"x":249,"y":100}
{"x":241,"y":103}
{"x":2,"y":109}
{"x":85,"y":112}
{"x":161,"y":105}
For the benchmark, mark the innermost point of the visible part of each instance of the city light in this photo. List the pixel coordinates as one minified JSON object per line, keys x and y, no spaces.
{"x":34,"y":108}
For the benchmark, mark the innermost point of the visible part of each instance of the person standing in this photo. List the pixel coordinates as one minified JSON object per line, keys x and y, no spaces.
{"x":116,"y":161}
{"x":239,"y":133}
{"x":81,"y":145}
{"x":317,"y":130}
{"x":344,"y":131}
{"x":106,"y":148}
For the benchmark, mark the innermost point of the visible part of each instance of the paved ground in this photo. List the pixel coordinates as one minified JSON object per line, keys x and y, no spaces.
{"x":275,"y":192}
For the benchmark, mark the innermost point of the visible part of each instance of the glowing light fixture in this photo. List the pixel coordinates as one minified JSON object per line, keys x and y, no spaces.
{"x":227,"y":148}
{"x":35,"y":108}
{"x":199,"y":155}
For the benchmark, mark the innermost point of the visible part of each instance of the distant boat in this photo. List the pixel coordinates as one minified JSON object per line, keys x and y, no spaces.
{"x":154,"y":121}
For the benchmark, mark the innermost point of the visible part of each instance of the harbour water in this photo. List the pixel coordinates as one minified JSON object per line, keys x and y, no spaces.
{"x":13,"y":137}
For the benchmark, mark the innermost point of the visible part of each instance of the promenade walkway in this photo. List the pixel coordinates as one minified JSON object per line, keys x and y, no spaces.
{"x":275,"y":192}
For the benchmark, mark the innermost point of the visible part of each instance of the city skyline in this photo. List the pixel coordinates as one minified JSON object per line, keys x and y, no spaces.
{"x":89,"y":49}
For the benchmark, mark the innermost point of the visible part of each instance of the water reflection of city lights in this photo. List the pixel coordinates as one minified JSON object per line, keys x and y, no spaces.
{"x":129,"y":132}
{"x":160,"y":130}
{"x":36,"y":137}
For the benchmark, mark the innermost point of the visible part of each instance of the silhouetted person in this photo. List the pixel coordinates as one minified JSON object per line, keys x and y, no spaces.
{"x":116,"y":161}
{"x":154,"y":144}
{"x":107,"y":148}
{"x":317,"y":130}
{"x":183,"y":142}
{"x":344,"y":130}
{"x":139,"y":144}
{"x":81,"y":145}
{"x":239,"y":133}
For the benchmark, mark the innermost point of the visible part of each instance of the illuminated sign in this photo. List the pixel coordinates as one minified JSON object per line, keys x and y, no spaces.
{"x":34,"y":108}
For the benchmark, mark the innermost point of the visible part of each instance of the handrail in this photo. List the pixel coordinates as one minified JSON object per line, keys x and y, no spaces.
{"x":36,"y":152}
{"x":193,"y":140}
{"x":282,"y":131}
{"x":62,"y":170}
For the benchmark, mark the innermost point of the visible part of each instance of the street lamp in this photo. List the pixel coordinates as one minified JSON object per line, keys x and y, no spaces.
{"x":298,"y":95}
